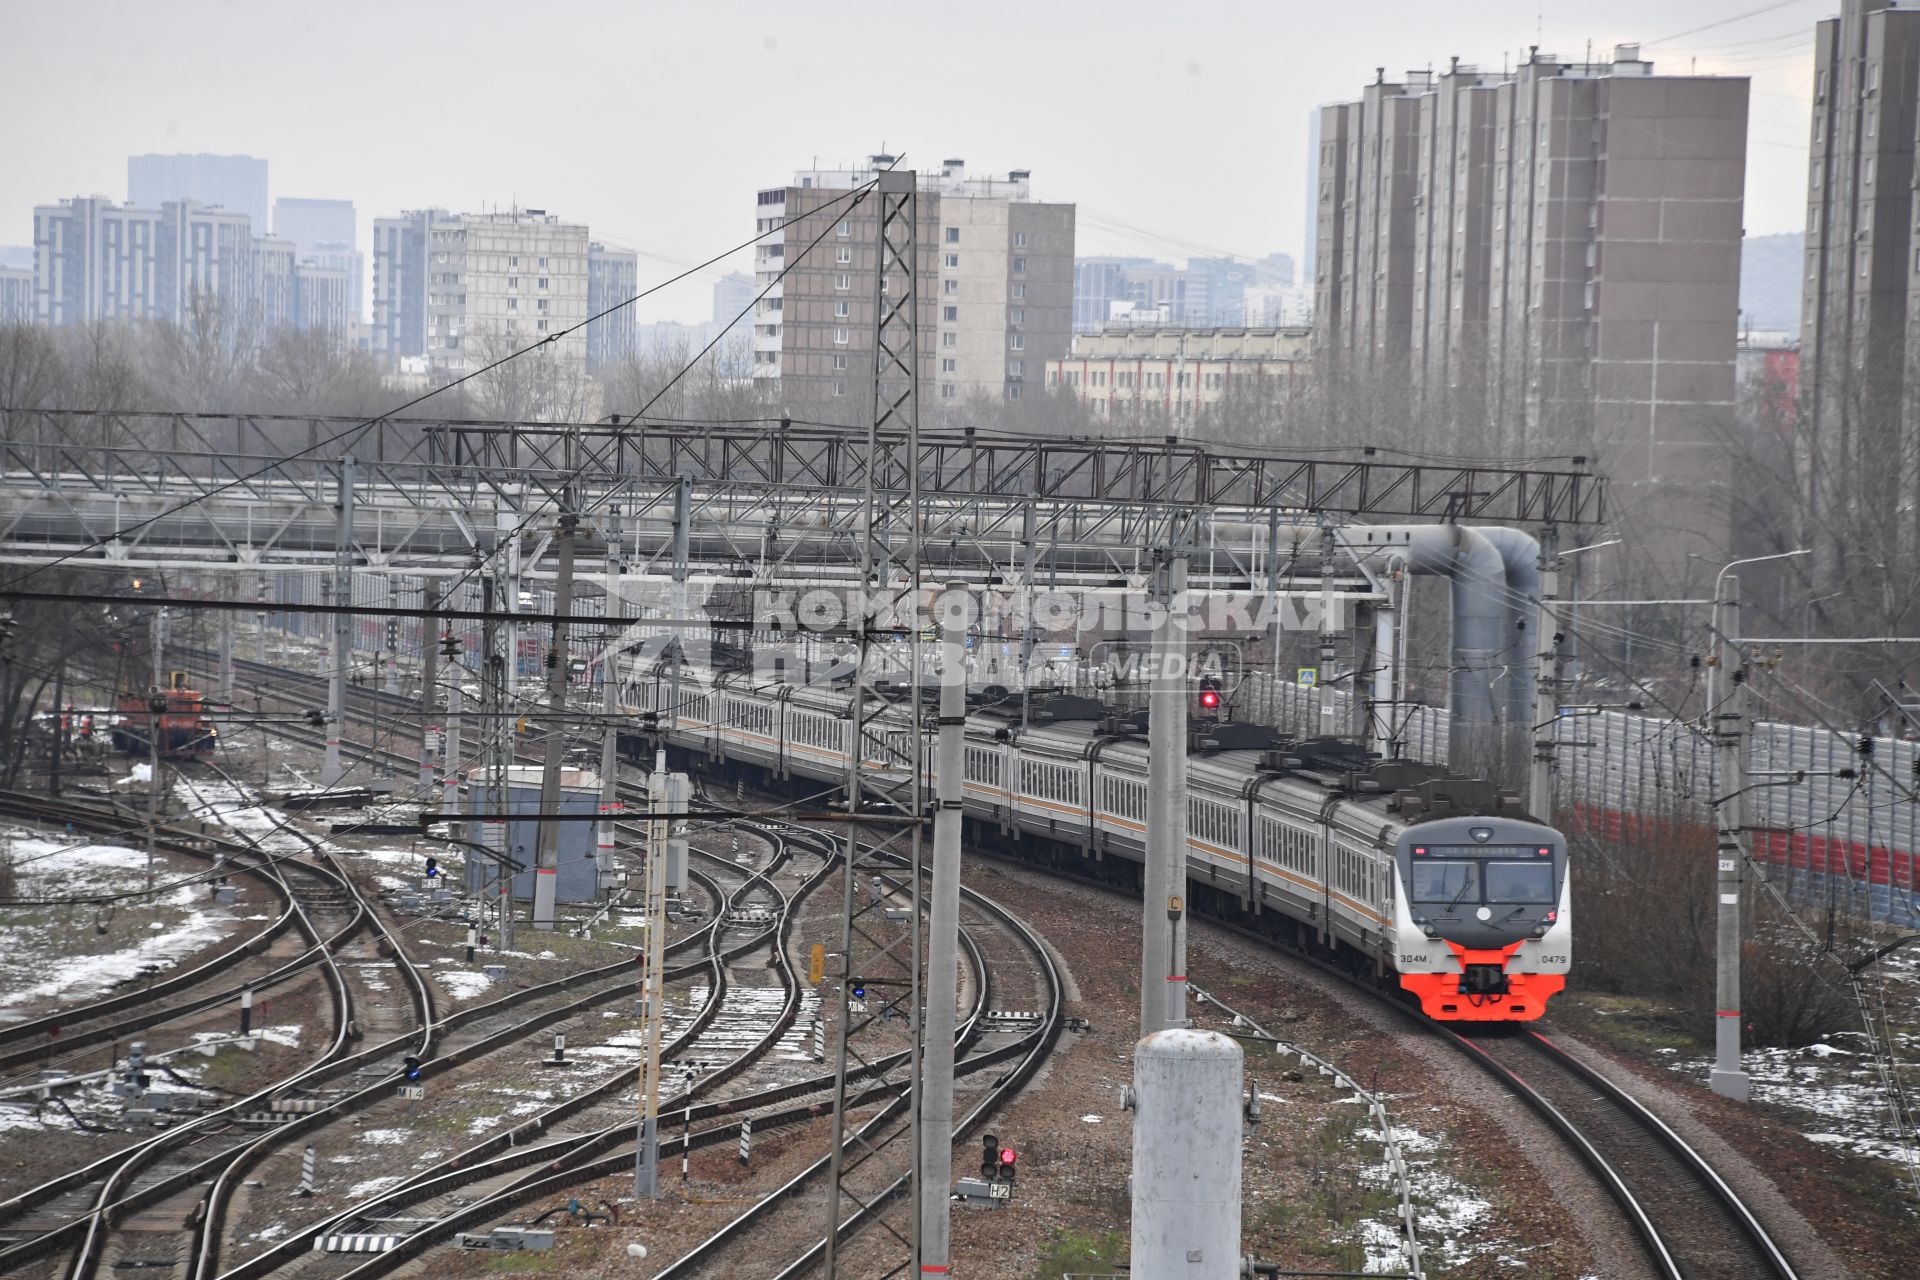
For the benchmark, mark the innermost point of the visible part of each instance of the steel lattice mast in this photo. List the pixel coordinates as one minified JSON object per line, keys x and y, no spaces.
{"x":873,"y":1155}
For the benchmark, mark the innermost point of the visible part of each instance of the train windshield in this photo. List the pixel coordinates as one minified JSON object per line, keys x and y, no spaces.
{"x":1519,"y":882}
{"x":1445,"y":880}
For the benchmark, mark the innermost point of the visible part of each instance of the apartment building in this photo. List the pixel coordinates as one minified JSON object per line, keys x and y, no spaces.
{"x":613,"y":278}
{"x":1860,"y":391}
{"x":1176,"y":372}
{"x":16,"y":295}
{"x":1540,"y":260}
{"x":995,"y":281}
{"x":95,"y":260}
{"x":237,"y":184}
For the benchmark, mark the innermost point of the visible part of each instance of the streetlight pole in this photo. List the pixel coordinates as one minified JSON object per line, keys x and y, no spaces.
{"x":1727,"y":722}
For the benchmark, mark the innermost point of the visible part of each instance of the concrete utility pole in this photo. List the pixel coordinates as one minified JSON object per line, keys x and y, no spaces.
{"x":341,"y":656}
{"x":1186,"y":1155}
{"x":935,"y":1097}
{"x":1028,"y":630}
{"x":496,"y":735}
{"x":261,"y":594}
{"x":1546,"y":682}
{"x":1727,"y":712}
{"x":226,"y":657}
{"x":653,"y":989}
{"x":429,"y":685}
{"x":546,"y":861}
{"x":610,"y":702}
{"x":1163,"y":918}
{"x":156,"y":703}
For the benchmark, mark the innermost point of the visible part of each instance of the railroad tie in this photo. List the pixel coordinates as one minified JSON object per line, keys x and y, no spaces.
{"x":356,"y":1242}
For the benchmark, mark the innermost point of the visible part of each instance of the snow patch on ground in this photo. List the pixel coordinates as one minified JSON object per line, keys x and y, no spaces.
{"x":386,"y":1137}
{"x":462,"y":985}
{"x":57,"y":869}
{"x":1445,"y":1211}
{"x":373,"y":1187}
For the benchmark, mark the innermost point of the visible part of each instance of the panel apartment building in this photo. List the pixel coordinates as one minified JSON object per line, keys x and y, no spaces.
{"x":459,"y":289}
{"x":995,"y":278}
{"x":1860,"y":391}
{"x":1540,"y":261}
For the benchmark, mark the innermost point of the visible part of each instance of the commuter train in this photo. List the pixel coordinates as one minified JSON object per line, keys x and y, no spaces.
{"x":186,"y":730}
{"x":1440,"y":885}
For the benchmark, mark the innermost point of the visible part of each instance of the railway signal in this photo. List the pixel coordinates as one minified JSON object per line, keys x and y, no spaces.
{"x":1009,"y":1162}
{"x":433,"y":867}
{"x":1209,"y":698}
{"x":412,"y":1068}
{"x":989,"y":1156}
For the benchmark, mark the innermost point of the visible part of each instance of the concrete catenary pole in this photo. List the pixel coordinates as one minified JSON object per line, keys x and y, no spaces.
{"x":653,"y":990}
{"x":226,"y":657}
{"x":1163,"y":973}
{"x":1726,"y":706}
{"x":1546,"y":682}
{"x":156,"y":701}
{"x":1186,"y":1155}
{"x":943,"y":941}
{"x":341,"y":657}
{"x":429,"y":687}
{"x":546,"y":858}
{"x":610,"y":699}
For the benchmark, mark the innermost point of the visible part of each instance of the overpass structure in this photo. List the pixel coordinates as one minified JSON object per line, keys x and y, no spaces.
{"x":777,"y":501}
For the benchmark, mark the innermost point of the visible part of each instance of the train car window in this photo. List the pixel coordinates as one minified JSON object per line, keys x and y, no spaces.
{"x":1446,"y":880}
{"x":1519,"y":882}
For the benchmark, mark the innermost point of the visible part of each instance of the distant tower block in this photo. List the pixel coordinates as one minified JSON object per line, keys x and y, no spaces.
{"x":1186,"y":1155}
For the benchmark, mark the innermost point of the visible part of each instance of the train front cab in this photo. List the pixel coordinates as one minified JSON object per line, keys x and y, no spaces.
{"x":1482,"y":918}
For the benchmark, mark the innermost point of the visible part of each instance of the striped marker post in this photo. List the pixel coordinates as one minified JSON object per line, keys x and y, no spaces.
{"x":819,"y":1040}
{"x":246,"y":1011}
{"x":307,"y":1162}
{"x":746,"y":1138}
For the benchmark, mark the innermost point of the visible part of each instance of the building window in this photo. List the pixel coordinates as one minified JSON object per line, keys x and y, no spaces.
{"x":840,"y":309}
{"x":950,"y":315}
{"x":839,"y":364}
{"x":950,"y":286}
{"x":543,"y":264}
{"x":953,"y":261}
{"x":1866,"y":170}
{"x":949,"y":339}
{"x":843,"y":282}
{"x":1016,"y":368}
{"x":513,"y":304}
{"x":843,"y":254}
{"x":1017,"y":316}
{"x":1019,"y":266}
{"x":513,"y":262}
{"x":543,"y":282}
{"x":946,"y":391}
{"x":1019,"y":342}
{"x":840,"y":337}
{"x":542,"y":305}
{"x":948,"y":365}
{"x":1053,"y":377}
{"x":513,"y":282}
{"x":1873,"y":77}
{"x":541,"y":326}
{"x":845,"y":229}
{"x":1019,"y":290}
{"x":953,"y":235}
{"x":839,"y":388}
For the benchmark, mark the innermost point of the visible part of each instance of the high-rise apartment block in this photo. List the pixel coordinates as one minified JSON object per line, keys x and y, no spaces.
{"x":1860,"y":317}
{"x":1545,"y":259}
{"x":95,"y":260}
{"x":613,"y":278}
{"x":462,"y":288}
{"x":995,"y":282}
{"x":237,"y":184}
{"x":16,"y":295}
{"x":326,"y":235}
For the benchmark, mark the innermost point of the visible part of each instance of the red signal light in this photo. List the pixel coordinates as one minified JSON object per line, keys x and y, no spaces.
{"x":1420,"y":849}
{"x":1209,"y":699}
{"x":1008,"y":1156}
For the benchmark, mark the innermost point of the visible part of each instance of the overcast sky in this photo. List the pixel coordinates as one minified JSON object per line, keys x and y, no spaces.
{"x":1177,"y":129}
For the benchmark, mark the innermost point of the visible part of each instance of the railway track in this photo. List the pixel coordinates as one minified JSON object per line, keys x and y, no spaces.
{"x":1690,"y":1223}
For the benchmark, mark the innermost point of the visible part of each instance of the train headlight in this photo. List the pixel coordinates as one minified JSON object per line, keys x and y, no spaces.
{"x":1539,"y":931}
{"x":1429,"y":930}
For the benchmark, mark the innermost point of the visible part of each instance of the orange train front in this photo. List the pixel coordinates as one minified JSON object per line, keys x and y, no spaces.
{"x":1484,"y":930}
